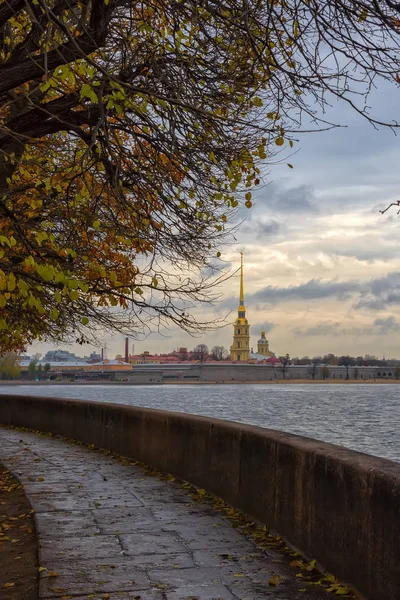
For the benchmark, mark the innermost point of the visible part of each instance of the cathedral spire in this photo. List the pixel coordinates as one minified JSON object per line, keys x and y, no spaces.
{"x":240,"y":348}
{"x":241,"y":299}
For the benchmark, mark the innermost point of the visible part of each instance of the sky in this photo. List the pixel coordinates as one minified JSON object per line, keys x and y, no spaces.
{"x":322,"y":264}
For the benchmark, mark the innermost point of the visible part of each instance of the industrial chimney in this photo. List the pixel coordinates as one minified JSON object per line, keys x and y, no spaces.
{"x":126,"y":350}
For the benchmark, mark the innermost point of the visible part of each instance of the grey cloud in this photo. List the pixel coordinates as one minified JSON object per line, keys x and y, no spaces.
{"x":380,"y":293}
{"x":375,"y":294}
{"x":311,"y":290}
{"x":386,"y":325}
{"x":257,"y":327}
{"x":263,"y":229}
{"x":299,"y":199}
{"x":381,"y":326}
{"x":325,"y":328}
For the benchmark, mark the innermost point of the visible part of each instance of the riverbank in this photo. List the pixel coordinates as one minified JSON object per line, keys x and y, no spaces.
{"x":103,"y":382}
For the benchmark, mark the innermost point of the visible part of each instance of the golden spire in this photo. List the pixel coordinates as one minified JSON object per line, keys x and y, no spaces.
{"x":241,"y":280}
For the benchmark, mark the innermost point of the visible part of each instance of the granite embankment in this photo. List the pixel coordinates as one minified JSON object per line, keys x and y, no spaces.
{"x":335,"y":505}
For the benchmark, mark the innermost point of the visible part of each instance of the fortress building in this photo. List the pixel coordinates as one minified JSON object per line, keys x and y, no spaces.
{"x":240,"y":349}
{"x":263,"y":346}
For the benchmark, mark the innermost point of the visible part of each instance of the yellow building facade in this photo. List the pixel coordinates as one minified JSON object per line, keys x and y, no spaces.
{"x":240,"y":349}
{"x":263,"y":346}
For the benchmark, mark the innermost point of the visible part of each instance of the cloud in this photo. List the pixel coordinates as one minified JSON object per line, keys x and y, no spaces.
{"x":386,"y":325}
{"x":257,"y":327}
{"x":375,"y":294}
{"x":263,"y":230}
{"x":380,"y":293}
{"x":277,"y":199}
{"x":380,"y":327}
{"x":311,"y":290}
{"x":324,"y":328}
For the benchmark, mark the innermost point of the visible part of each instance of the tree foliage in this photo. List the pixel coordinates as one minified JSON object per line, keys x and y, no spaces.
{"x":219,"y":353}
{"x":9,"y":366}
{"x":130,"y":132}
{"x":285,"y":362}
{"x":325,"y":372}
{"x":200,"y":352}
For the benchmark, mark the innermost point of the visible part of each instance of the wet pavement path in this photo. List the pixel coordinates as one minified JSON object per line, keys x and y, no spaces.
{"x":108,"y":531}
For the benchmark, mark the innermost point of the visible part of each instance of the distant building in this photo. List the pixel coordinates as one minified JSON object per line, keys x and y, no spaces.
{"x":94,"y":357}
{"x":240,"y":349}
{"x":108,"y":365}
{"x":263,"y":352}
{"x":147,"y":358}
{"x":60,"y":356}
{"x":69,"y":366}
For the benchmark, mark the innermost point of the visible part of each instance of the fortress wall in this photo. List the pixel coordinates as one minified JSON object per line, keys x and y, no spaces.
{"x":338,"y":506}
{"x":241,"y":372}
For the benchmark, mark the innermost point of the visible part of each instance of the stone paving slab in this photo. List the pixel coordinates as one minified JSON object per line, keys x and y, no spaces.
{"x":107,"y":530}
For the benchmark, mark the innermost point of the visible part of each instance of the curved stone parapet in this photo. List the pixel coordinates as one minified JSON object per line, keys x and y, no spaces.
{"x":338,"y":506}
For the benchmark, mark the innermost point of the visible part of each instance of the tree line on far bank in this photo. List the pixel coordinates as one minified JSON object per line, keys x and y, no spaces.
{"x":10,"y":368}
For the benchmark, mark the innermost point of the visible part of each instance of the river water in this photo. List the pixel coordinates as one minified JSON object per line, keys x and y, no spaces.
{"x":364,"y":417}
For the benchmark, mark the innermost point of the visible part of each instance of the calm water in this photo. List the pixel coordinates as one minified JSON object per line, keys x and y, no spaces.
{"x":364,"y":417}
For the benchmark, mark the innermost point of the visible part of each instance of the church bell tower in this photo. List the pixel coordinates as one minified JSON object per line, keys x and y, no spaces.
{"x":240,"y":349}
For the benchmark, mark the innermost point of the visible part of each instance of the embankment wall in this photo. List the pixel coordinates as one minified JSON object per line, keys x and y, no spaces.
{"x":228,"y":373}
{"x":338,"y":506}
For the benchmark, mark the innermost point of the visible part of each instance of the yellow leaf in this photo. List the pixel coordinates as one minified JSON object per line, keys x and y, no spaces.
{"x":42,"y":569}
{"x":40,"y":478}
{"x":11,"y":282}
{"x":8,"y":585}
{"x":341,"y":591}
{"x":52,"y":574}
{"x":279,"y":141}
